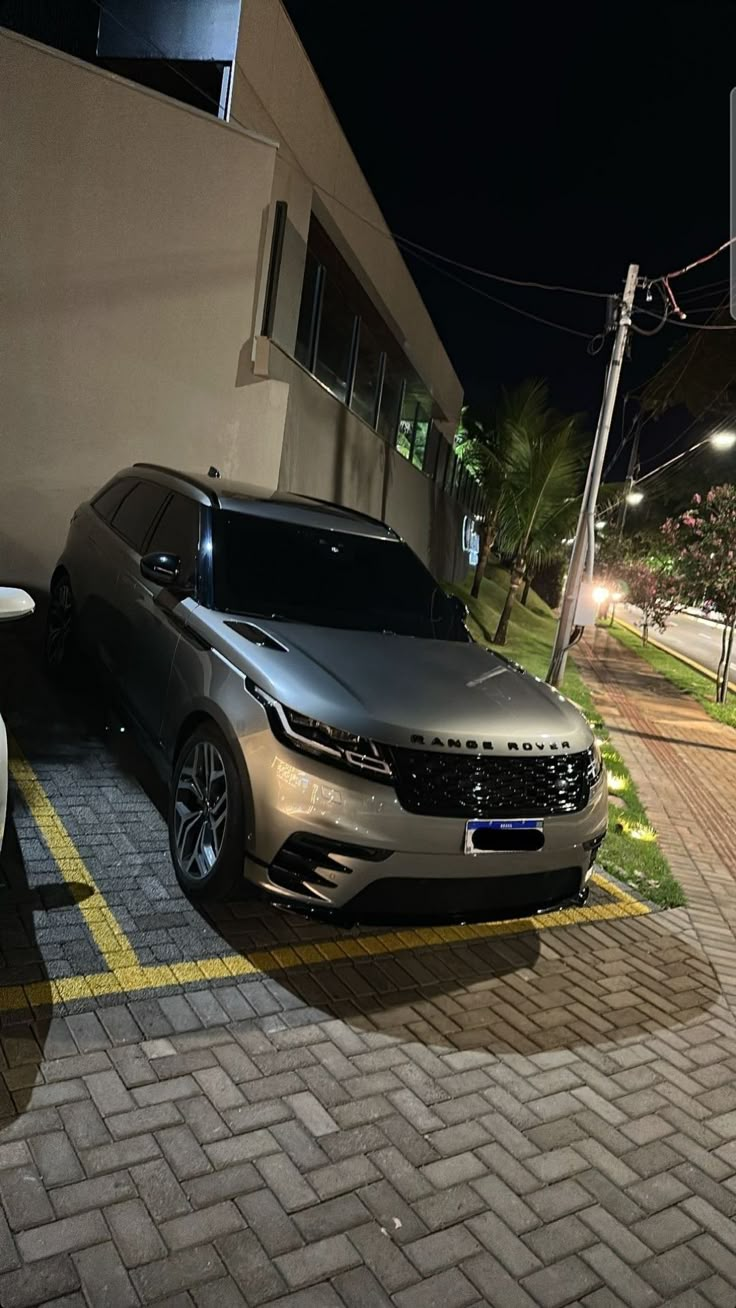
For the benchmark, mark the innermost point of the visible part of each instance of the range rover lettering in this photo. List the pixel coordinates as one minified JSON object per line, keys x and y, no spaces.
{"x":329,"y":731}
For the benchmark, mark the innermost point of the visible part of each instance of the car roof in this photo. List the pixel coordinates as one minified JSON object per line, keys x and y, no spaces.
{"x":283,"y":506}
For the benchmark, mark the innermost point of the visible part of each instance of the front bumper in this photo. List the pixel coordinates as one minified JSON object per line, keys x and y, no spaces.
{"x":333,"y":845}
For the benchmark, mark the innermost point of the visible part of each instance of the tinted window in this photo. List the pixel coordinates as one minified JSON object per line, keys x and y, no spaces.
{"x":177,"y":532}
{"x":135,"y":516}
{"x":108,"y":500}
{"x":329,"y":578}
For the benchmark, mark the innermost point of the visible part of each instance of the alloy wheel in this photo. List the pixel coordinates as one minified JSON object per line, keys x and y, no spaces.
{"x":61,"y":613}
{"x":200,"y":810}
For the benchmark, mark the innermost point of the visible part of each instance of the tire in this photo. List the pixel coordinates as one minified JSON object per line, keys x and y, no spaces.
{"x":59,"y":644}
{"x":207,"y":817}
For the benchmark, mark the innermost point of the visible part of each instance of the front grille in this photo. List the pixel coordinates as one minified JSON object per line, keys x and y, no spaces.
{"x":473,"y":786}
{"x":394,"y":900}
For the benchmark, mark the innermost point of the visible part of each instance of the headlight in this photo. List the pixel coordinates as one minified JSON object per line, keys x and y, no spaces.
{"x":332,"y":744}
{"x":595,"y":763}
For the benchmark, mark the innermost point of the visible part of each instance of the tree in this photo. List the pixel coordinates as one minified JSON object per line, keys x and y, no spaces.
{"x":543,"y":457}
{"x":653,"y":590}
{"x":703,"y":541}
{"x":479,"y":445}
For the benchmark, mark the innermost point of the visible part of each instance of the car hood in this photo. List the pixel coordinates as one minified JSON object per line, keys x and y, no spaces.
{"x":400,"y":690}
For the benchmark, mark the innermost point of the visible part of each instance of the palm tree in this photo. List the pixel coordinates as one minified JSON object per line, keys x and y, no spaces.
{"x":481,"y":443}
{"x":481,"y":451}
{"x":543,"y":459}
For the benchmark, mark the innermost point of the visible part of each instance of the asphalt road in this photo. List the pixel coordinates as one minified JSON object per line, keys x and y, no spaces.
{"x":695,"y":637}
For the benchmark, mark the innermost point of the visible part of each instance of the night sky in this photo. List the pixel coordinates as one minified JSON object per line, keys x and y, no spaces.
{"x":554,"y":143}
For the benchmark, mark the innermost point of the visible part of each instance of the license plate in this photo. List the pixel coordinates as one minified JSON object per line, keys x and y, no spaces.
{"x":515,"y":828}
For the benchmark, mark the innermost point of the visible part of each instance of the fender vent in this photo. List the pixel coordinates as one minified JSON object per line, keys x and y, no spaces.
{"x":256,"y":636}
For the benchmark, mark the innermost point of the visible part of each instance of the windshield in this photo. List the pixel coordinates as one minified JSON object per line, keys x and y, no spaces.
{"x":268,"y":569}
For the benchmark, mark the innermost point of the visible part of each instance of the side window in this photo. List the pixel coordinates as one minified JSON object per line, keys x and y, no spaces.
{"x":110,"y":499}
{"x":177,"y":532}
{"x":134,"y":518}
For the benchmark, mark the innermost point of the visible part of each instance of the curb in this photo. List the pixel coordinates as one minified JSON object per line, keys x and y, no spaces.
{"x":681,"y":658}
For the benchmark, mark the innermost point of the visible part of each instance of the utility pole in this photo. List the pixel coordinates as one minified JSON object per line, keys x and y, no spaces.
{"x":630,"y":475}
{"x":584,"y":546}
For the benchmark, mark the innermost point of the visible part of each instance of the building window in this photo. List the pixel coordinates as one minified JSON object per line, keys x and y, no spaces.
{"x":334,"y":340}
{"x":306,"y":331}
{"x":341,"y":338}
{"x":405,"y":433}
{"x":421,"y":430}
{"x":369,"y":373}
{"x":391,"y":394}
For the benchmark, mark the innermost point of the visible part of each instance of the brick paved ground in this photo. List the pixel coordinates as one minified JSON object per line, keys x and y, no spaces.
{"x":543,"y":1120}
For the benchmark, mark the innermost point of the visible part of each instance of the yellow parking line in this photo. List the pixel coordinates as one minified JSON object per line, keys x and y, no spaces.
{"x":126,"y":975}
{"x":102,"y":924}
{"x":128,"y":979}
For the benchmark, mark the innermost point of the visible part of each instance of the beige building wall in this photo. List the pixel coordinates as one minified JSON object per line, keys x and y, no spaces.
{"x":329,"y":452}
{"x":131,"y":245}
{"x":276,"y":91}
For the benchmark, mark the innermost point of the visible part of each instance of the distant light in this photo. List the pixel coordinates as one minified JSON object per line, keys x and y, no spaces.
{"x":723,"y":440}
{"x":634,"y":497}
{"x":600,"y":594}
{"x":600,"y":524}
{"x":617,"y":596}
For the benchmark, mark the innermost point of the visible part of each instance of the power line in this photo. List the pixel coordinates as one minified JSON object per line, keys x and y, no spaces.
{"x":690,"y":352}
{"x":705,"y":286}
{"x":699,"y":417}
{"x":496,"y":277}
{"x":625,"y":437}
{"x":696,"y":262}
{"x":413,"y":247}
{"x":667,"y":472}
{"x":662,"y":469}
{"x":635,"y":394}
{"x":693,"y":326}
{"x":663,"y":282}
{"x":444,"y":272}
{"x":718,"y":288}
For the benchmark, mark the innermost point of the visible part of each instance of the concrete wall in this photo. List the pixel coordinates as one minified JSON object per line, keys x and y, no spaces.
{"x":132,"y":236}
{"x":329,"y":452}
{"x":276,"y":91}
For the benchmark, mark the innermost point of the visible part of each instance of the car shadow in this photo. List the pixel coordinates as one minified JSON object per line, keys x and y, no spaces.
{"x":531,"y":989}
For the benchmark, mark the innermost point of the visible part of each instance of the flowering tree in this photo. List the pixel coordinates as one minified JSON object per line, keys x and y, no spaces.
{"x":642,"y":568}
{"x":703,"y":541}
{"x":653,"y":589}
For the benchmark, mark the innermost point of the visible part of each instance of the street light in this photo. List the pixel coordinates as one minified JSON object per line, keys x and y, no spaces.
{"x":634,"y":497}
{"x":723,"y":440}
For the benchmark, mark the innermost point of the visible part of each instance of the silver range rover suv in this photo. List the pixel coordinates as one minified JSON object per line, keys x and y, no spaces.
{"x":328,"y":728}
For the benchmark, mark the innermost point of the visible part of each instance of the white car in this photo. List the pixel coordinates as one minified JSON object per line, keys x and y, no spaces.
{"x":13,"y":604}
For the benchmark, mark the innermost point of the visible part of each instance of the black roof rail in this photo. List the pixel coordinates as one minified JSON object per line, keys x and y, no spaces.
{"x":344,"y":508}
{"x":186,"y":477}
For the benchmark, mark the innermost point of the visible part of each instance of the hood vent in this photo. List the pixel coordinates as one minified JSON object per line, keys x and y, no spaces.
{"x":256,"y":636}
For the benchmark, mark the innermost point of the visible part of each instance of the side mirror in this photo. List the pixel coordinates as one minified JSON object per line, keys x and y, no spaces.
{"x":161,"y":569}
{"x":458,"y":616}
{"x":14,"y":603}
